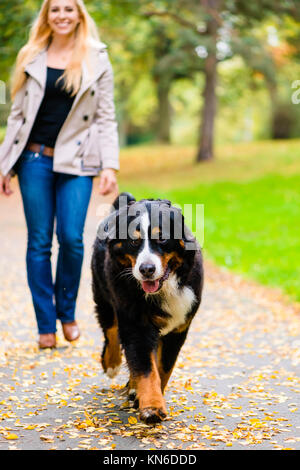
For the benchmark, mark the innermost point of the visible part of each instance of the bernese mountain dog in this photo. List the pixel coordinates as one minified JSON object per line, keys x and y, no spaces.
{"x":147,"y":278}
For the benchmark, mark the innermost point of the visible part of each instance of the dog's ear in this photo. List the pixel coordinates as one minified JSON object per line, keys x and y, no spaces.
{"x":124,"y":199}
{"x":107,"y":229}
{"x":190,"y":243}
{"x":176,"y":221}
{"x":189,"y":240}
{"x":165,"y":201}
{"x":103,"y":230}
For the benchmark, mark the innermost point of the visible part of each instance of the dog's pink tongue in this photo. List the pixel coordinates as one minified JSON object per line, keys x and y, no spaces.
{"x":150,"y":286}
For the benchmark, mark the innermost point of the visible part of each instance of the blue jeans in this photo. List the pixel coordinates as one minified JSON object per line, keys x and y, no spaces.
{"x":48,"y":195}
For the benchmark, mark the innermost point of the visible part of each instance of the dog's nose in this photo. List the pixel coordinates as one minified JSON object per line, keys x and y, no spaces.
{"x":147,"y":269}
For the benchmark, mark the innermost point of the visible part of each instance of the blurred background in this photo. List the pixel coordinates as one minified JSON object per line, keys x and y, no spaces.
{"x":206,"y":94}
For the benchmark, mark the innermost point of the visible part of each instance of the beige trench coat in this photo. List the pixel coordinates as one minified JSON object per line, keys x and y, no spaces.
{"x":88,"y":139}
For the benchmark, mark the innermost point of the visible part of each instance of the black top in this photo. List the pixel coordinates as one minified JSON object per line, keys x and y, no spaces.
{"x":53,"y":111}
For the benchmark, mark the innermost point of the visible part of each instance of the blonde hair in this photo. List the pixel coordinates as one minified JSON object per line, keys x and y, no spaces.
{"x":40,"y":37}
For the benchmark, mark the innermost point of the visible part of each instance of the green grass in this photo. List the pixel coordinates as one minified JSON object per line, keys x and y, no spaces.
{"x":252,"y":228}
{"x":251,"y":224}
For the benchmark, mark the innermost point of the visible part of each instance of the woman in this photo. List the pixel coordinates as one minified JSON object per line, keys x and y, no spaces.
{"x":61,"y":132}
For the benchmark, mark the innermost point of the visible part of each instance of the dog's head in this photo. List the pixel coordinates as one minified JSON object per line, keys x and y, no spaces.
{"x":148,"y":238}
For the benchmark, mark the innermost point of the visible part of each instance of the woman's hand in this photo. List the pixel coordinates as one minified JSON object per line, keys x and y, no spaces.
{"x":108,"y":181}
{"x":5,"y":185}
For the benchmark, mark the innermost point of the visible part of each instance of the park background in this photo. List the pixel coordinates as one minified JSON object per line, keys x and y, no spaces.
{"x":203,"y":92}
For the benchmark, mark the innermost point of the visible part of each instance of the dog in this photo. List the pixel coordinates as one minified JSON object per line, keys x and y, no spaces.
{"x":147,"y":280}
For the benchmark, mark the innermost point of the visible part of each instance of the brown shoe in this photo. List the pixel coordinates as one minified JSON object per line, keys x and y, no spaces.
{"x":71,"y":331}
{"x":47,"y":340}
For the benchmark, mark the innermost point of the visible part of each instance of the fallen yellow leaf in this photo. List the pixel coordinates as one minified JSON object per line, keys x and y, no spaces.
{"x":132,"y":420}
{"x":206,"y":428}
{"x":11,"y":436}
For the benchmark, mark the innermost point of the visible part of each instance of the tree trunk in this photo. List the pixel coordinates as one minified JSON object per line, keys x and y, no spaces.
{"x":123,"y":123}
{"x":274,"y":106}
{"x":206,"y":140}
{"x":206,"y":144}
{"x":164,"y":111}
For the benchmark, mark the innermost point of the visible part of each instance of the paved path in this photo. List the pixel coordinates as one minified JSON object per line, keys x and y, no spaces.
{"x":236,"y":384}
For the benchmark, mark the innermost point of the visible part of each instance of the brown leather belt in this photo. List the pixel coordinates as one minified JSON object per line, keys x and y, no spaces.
{"x":48,"y":151}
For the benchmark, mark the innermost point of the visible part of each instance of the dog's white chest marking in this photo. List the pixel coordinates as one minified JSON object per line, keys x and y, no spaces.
{"x":176,"y":302}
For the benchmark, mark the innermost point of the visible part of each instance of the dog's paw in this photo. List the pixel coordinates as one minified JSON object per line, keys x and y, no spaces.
{"x":111,"y":364}
{"x":112,"y":371}
{"x":152,"y":415}
{"x":111,"y":357}
{"x":132,"y":397}
{"x":131,"y":394}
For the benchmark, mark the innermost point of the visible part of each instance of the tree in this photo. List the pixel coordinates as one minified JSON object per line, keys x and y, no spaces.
{"x":160,"y":41}
{"x":206,"y":140}
{"x":214,"y":16}
{"x":165,"y":51}
{"x":13,"y":14}
{"x":175,"y":59}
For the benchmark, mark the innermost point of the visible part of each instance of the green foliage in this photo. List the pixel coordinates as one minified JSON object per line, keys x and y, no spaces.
{"x":16,"y":17}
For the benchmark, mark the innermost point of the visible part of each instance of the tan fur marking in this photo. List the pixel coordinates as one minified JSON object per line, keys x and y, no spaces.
{"x":183,"y":327}
{"x":149,"y":389}
{"x":112,"y":356}
{"x":131,"y":258}
{"x":132,"y":383}
{"x":127,"y":260}
{"x":173,"y":256}
{"x":131,"y":387}
{"x":137,"y":234}
{"x":155,"y":230}
{"x":158,"y":321}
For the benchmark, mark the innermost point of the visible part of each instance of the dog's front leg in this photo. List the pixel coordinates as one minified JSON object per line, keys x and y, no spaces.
{"x":139,"y":342}
{"x":151,"y":401}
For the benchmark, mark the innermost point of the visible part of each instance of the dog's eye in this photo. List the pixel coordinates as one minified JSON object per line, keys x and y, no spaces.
{"x":135,"y":242}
